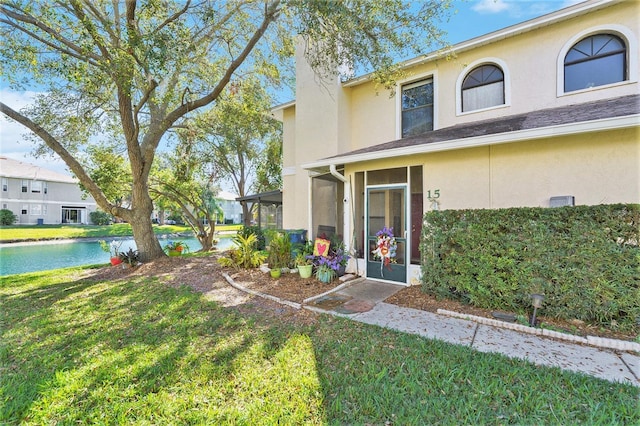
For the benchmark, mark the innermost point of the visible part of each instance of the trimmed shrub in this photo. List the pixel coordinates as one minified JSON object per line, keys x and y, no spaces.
{"x":99,"y":217}
{"x":7,"y":217}
{"x":585,"y":259}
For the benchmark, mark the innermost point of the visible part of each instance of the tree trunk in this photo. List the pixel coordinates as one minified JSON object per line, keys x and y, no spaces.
{"x":142,"y":226}
{"x":146,"y":241}
{"x":206,"y":238}
{"x":246,"y":213}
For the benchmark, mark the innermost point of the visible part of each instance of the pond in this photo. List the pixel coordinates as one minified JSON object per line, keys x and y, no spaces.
{"x":19,"y":258}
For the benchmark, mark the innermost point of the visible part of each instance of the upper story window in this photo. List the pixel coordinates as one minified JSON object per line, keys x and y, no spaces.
{"x":25,"y":186}
{"x":483,"y":88}
{"x":36,"y":186}
{"x":5,"y":184}
{"x":596,"y":60}
{"x":417,"y":108}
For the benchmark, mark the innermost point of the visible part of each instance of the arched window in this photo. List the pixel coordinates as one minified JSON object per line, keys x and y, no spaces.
{"x":595,"y":61}
{"x":482,"y":88}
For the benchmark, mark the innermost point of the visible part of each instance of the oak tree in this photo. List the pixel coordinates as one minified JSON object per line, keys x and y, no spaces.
{"x":131,"y":71}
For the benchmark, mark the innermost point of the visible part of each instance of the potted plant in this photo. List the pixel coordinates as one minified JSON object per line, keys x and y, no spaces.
{"x":279,"y":253}
{"x":327,"y":269}
{"x":130,"y":258}
{"x":304,"y":260}
{"x":333,"y":264}
{"x":175,"y":248}
{"x":305,"y":266}
{"x":112,"y":248}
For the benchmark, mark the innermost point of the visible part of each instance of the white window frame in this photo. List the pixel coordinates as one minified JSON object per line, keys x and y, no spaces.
{"x":24,"y":187}
{"x":35,"y":210}
{"x":624,"y":33}
{"x":473,"y":65}
{"x":36,"y":186}
{"x":433,"y":75}
{"x":5,"y":185}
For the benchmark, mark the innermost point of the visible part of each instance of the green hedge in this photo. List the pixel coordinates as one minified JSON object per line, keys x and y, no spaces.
{"x":585,"y":259}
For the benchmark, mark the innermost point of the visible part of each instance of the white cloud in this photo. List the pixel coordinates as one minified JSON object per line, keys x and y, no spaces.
{"x":491,"y":6}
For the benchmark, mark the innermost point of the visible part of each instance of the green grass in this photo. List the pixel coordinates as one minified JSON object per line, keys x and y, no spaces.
{"x":140,"y":352}
{"x":45,"y":232}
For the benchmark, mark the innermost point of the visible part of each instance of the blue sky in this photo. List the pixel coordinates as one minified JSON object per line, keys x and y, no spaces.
{"x":469,"y":19}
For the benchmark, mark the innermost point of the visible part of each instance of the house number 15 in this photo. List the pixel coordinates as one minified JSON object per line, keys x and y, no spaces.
{"x":433,"y":193}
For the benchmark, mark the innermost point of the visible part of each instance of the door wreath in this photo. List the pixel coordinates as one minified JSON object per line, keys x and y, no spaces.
{"x":386,"y":247}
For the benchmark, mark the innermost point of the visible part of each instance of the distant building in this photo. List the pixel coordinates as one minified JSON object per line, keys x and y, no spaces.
{"x":40,"y":196}
{"x":232,"y":210}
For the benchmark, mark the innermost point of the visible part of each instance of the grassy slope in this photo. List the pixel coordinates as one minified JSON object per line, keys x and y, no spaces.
{"x":76,"y":351}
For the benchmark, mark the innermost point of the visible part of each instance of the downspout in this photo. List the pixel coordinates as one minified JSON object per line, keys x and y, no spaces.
{"x":334,"y":172}
{"x":346,"y":217}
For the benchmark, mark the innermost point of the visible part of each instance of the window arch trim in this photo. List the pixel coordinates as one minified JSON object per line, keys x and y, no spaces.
{"x":631,"y":62}
{"x":499,"y":63}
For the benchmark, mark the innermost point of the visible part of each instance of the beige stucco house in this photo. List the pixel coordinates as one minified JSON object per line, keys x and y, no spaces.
{"x":543,"y":113}
{"x":40,"y":196}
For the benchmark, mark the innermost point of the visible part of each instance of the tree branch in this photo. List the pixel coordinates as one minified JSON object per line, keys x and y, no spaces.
{"x":271,"y":14}
{"x":73,"y":164}
{"x":72,"y":48}
{"x":174,"y":17}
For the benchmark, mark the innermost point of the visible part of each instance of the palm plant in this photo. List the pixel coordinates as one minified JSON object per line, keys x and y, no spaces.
{"x":245,"y":255}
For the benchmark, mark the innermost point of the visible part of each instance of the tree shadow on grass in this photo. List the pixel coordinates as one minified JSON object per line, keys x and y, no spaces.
{"x":79,"y":350}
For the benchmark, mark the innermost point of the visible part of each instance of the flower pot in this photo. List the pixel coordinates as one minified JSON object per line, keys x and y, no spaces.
{"x":325,"y":275}
{"x":305,"y":271}
{"x":275,"y":273}
{"x":174,"y":253}
{"x":115,"y":261}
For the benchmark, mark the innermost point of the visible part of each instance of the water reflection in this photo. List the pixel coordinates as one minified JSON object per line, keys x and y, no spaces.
{"x":17,"y":259}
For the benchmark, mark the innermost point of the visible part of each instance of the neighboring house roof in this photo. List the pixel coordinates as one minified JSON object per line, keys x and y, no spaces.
{"x":593,"y":116}
{"x":15,"y":169}
{"x":226,"y":195}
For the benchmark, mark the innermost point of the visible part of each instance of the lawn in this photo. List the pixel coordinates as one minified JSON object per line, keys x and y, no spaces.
{"x":137,"y":351}
{"x":45,"y":232}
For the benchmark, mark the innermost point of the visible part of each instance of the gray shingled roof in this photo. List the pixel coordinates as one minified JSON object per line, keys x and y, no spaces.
{"x":583,"y":112}
{"x":11,"y":168}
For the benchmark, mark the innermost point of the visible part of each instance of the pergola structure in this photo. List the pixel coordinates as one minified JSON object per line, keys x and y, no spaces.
{"x":273,"y":198}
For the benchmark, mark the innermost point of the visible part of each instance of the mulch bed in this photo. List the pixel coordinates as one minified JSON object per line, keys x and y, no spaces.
{"x":204,"y":274}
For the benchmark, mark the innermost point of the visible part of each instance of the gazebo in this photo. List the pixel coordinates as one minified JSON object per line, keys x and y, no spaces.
{"x":270,"y":198}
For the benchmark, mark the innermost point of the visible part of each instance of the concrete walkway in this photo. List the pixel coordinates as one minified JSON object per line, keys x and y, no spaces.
{"x":363,"y":301}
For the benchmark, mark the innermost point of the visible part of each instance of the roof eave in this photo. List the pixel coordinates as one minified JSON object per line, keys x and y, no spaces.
{"x":477,"y":141}
{"x":524,"y":27}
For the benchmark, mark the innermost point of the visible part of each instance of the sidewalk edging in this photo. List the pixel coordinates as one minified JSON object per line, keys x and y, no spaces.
{"x":600,"y":342}
{"x":237,"y":286}
{"x":595,"y":341}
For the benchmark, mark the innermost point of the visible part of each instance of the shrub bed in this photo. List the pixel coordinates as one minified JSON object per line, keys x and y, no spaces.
{"x":585,"y":260}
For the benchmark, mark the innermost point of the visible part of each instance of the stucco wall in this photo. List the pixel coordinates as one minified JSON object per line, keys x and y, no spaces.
{"x":595,"y":168}
{"x":531,"y":60}
{"x":598,"y":168}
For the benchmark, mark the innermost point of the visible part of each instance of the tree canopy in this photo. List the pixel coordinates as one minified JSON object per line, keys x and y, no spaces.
{"x":131,"y":72}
